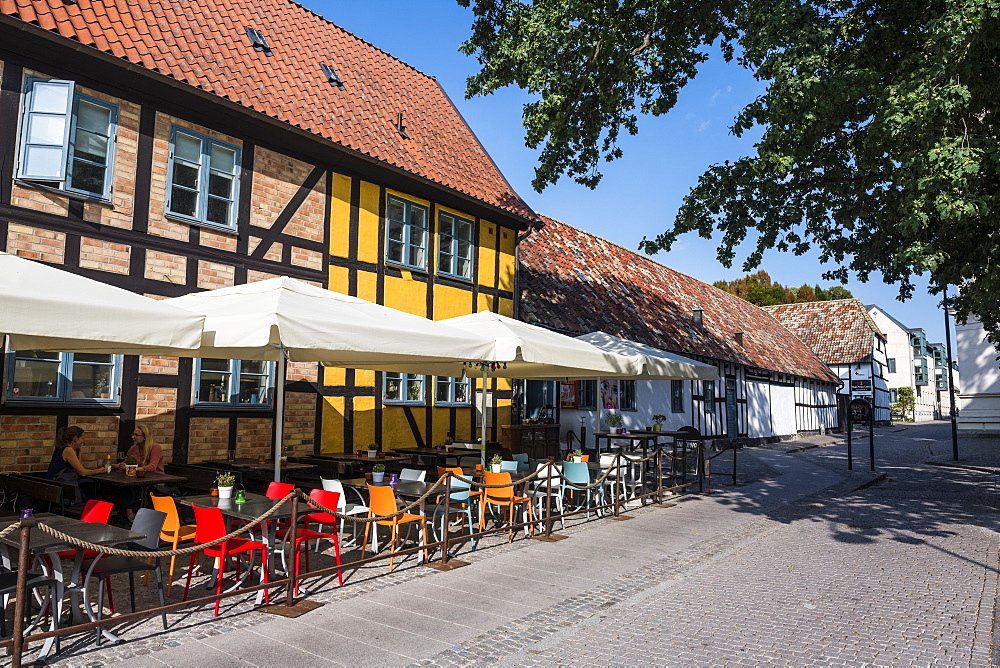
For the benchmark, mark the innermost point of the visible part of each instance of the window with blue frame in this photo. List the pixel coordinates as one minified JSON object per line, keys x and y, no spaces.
{"x":67,"y":138}
{"x":403,"y":388}
{"x":406,"y":233}
{"x":451,"y":391}
{"x":233,"y":383}
{"x":709,"y":395}
{"x":455,"y":246}
{"x":626,"y":395}
{"x":47,"y":377}
{"x":203,"y":174}
{"x":676,"y":396}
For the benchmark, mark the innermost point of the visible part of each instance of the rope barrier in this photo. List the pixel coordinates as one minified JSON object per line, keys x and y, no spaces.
{"x":10,"y":529}
{"x":118,"y":552}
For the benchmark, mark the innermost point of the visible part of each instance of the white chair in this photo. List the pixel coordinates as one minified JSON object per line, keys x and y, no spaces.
{"x":413,"y":474}
{"x":539,"y":488}
{"x":344,"y":508}
{"x":619,"y":475}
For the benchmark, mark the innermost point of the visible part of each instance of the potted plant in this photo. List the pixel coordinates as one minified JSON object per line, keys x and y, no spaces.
{"x":576,"y":456}
{"x":495,"y":462}
{"x":131,"y":464}
{"x":378,"y":472}
{"x":372,"y":451}
{"x":225,"y":481}
{"x":658,"y":422}
{"x":614,"y":421}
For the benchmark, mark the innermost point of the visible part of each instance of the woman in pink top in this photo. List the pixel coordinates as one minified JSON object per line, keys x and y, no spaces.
{"x":146,"y":452}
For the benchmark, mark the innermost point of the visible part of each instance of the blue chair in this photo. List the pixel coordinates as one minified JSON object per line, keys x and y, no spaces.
{"x":459,"y":502}
{"x":522,"y":461}
{"x":508,"y":467}
{"x":579,"y":473}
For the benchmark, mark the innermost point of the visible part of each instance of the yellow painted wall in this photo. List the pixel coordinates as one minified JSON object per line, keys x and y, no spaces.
{"x":409,"y":294}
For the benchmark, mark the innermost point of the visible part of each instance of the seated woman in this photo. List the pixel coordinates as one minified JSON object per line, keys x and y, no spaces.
{"x":65,"y":465}
{"x":149,"y":456}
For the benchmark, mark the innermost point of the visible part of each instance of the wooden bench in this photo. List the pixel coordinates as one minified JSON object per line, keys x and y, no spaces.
{"x":32,"y":490}
{"x":200,"y":479}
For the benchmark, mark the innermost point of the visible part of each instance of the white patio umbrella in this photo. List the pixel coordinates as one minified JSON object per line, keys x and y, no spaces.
{"x":531,"y":352}
{"x":45,"y":308}
{"x":656,"y":364}
{"x":283,"y":319}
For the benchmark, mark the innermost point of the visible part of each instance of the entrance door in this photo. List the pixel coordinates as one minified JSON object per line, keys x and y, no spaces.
{"x":732,"y":425}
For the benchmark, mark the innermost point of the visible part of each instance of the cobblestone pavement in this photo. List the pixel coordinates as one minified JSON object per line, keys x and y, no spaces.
{"x":901,"y":573}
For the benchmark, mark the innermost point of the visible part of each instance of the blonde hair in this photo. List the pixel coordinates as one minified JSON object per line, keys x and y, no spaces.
{"x":147,"y":444}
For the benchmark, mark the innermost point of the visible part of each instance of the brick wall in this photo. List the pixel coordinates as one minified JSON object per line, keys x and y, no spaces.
{"x":36,"y":243}
{"x":300,"y":423}
{"x":165,"y":267}
{"x":208,"y":439}
{"x":26,"y":442}
{"x":254,"y":437}
{"x":156,"y":408}
{"x":104,"y":255}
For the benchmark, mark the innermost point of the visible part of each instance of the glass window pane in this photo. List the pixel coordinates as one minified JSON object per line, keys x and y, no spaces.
{"x":50,"y":130}
{"x":187,"y":147}
{"x":418,"y":216}
{"x":90,"y":146}
{"x":395,"y":232}
{"x":88,"y":177}
{"x":414,"y":389}
{"x":50,"y":97}
{"x":252,"y":390}
{"x":465,"y":229}
{"x":92,"y":380}
{"x":395,"y":210}
{"x":223,"y":159}
{"x":461,"y":393}
{"x":219,"y":211}
{"x":186,"y":175}
{"x":254,"y":366}
{"x":416,"y":256}
{"x":210,"y":364}
{"x":446,"y":225}
{"x":213,"y":387}
{"x":35,"y":378}
{"x":220,"y":185}
{"x":93,"y":117}
{"x":442,"y":393}
{"x":183,"y":201}
{"x":392,"y":389}
{"x":464,"y":269}
{"x":43,"y":160}
{"x":395,"y":252}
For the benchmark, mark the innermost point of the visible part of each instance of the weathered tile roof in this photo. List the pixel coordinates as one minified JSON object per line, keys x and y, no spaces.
{"x":575,"y":282}
{"x":205,"y":44}
{"x":840,"y":330}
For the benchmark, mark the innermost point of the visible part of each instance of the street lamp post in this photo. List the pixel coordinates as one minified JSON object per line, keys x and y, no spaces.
{"x":951,"y":380}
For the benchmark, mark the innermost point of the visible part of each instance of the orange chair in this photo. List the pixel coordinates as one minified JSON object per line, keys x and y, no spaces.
{"x":503,"y":496}
{"x":173,"y":532}
{"x":210,"y":525}
{"x":305,"y":534}
{"x":457,"y":470}
{"x":382,"y":502}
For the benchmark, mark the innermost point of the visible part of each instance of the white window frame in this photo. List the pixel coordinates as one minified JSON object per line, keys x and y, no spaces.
{"x":588,"y":395}
{"x":235,"y":372}
{"x":406,"y":382}
{"x":205,"y":172}
{"x":64,"y":382}
{"x":708,"y":395}
{"x":676,"y":396}
{"x":413,"y":236}
{"x":452,"y":385}
{"x":450,"y":244}
{"x":62,"y":179}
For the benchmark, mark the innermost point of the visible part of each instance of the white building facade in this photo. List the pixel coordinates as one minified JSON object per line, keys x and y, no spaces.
{"x":979,"y":391}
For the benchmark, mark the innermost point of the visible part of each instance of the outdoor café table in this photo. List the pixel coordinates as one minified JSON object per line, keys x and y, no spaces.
{"x":121,"y":479}
{"x":365,"y":459}
{"x":249,"y":464}
{"x":457,"y":454}
{"x":255,"y":506}
{"x":43,"y":543}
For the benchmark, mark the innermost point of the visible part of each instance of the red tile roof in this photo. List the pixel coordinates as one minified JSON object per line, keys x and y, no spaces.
{"x":840,"y":330}
{"x":575,"y":282}
{"x":205,"y":44}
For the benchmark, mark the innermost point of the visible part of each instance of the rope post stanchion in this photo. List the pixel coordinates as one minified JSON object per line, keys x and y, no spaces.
{"x":446,"y":563}
{"x":736,"y":446}
{"x":21,"y":600}
{"x":660,"y":454}
{"x":618,"y":502}
{"x":290,"y":594}
{"x":548,"y":537}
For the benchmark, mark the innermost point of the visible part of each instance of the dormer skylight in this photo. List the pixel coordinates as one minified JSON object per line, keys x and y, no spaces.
{"x":258,"y":41}
{"x":400,"y":128}
{"x":331,"y":76}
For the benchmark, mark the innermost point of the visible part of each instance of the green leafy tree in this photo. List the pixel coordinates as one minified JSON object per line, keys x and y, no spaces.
{"x":905,"y":401}
{"x":761,"y":290}
{"x":805,"y":294}
{"x":880,"y":144}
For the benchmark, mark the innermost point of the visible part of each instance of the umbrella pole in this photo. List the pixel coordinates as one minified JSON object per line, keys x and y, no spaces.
{"x":482,"y":426}
{"x":597,"y":427}
{"x":279,"y":412}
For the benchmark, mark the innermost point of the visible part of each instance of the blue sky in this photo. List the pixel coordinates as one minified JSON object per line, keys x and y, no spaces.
{"x":640,"y":192}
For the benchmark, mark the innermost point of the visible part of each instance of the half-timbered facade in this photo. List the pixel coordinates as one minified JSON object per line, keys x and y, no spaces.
{"x":172,"y":147}
{"x":771,"y":385}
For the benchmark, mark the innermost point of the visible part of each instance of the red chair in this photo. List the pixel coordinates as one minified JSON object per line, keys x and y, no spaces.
{"x":305,"y":534}
{"x":94,"y":512}
{"x":278,"y":490}
{"x":209,"y":526}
